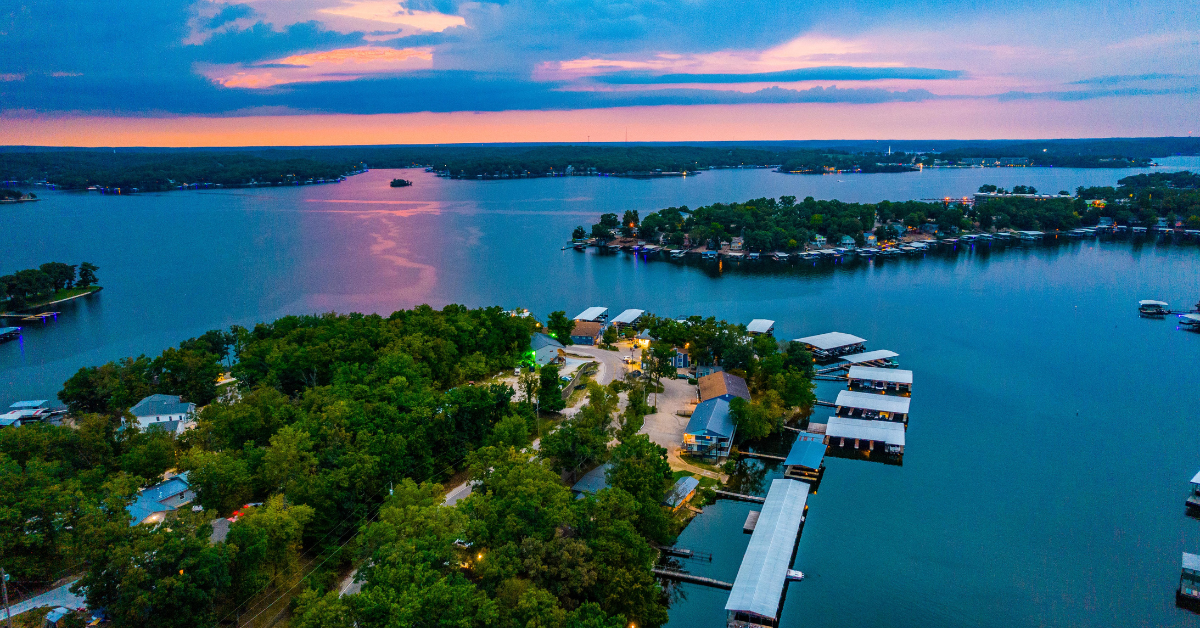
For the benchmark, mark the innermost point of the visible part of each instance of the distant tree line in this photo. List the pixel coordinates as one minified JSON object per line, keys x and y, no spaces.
{"x":35,"y":284}
{"x":9,"y":194}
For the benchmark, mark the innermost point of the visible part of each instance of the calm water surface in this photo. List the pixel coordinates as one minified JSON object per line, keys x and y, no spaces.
{"x":1052,"y":434}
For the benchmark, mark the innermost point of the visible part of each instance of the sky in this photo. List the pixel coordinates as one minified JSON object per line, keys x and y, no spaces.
{"x":294,"y":72}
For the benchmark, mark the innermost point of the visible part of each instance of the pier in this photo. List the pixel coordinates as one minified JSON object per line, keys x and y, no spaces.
{"x":751,"y":454}
{"x":740,"y":497}
{"x":757,"y":593}
{"x":683,"y":576}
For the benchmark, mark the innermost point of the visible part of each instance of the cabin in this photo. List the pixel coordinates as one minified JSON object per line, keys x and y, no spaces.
{"x":880,"y":380}
{"x":592,"y":482}
{"x":153,"y":503}
{"x":586,"y":333}
{"x":832,"y":345}
{"x":680,"y":494}
{"x":805,"y":461}
{"x":881,"y":358}
{"x":165,"y":412}
{"x":1189,"y":580}
{"x":594,"y":315}
{"x":760,"y":327}
{"x":724,"y":386}
{"x":862,"y":405}
{"x":1149,"y":307}
{"x":628,"y":317}
{"x":867,"y":435}
{"x":546,"y":350}
{"x":756,"y":598}
{"x":710,"y":430}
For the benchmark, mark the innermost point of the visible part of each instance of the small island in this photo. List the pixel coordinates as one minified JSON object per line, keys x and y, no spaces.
{"x":52,"y":282}
{"x":401,"y":183}
{"x":16,"y":196}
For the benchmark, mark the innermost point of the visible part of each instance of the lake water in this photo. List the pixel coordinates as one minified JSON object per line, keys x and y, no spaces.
{"x":1053,"y":431}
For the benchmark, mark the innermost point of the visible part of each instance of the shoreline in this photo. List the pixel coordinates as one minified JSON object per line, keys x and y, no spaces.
{"x":31,"y":309}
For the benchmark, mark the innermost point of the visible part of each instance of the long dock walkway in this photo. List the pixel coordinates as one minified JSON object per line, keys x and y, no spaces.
{"x":746,"y":498}
{"x":682,"y":576}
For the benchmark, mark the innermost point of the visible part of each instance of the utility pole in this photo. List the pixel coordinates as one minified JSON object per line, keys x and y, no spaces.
{"x":4,"y":585}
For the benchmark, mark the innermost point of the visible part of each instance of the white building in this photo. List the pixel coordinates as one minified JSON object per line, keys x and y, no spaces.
{"x":167,"y":412}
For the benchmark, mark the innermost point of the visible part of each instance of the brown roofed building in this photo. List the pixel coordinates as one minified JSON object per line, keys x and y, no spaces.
{"x":586,"y":332}
{"x":723,"y":385}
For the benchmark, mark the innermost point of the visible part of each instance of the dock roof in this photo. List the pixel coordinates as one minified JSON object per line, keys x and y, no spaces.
{"x":889,"y":432}
{"x":758,"y":588}
{"x":1191,"y":317}
{"x":722,"y":383}
{"x":869,"y":356}
{"x":628,"y":317}
{"x":711,"y":418}
{"x":35,"y":403}
{"x":831,"y":340}
{"x":760,"y":326}
{"x":1196,"y":478}
{"x":872,"y":401}
{"x":808,"y":451}
{"x":1191,"y":562}
{"x":1152,"y":302}
{"x":896,"y":376}
{"x":592,"y":314}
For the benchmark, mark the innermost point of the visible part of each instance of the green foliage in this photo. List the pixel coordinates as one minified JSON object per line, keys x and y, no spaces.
{"x":550,"y":389}
{"x":87,"y":275}
{"x":560,"y":326}
{"x":639,"y":467}
{"x":757,"y":419}
{"x":579,"y":233}
{"x":222,"y":482}
{"x":582,"y":441}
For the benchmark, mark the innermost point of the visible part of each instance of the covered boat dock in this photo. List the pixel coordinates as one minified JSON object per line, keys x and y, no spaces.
{"x":864,"y":434}
{"x":869,"y":378}
{"x":879,"y":357}
{"x":805,"y":461}
{"x":833,"y":344}
{"x":854,"y":404}
{"x":758,"y":591}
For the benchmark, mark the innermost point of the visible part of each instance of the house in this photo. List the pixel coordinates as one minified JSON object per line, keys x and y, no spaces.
{"x":643,"y":339}
{"x":870,"y":239}
{"x":847,"y":241}
{"x":546,"y":350}
{"x":153,"y":503}
{"x":679,"y":359}
{"x":628,"y":317}
{"x":592,"y":482}
{"x":723,"y":385}
{"x":586,"y":332}
{"x":805,"y":461}
{"x":737,"y":244}
{"x":704,"y":371}
{"x":55,"y":616}
{"x":930,"y":228}
{"x":594,"y":315}
{"x":683,"y":491}
{"x":760,"y":326}
{"x":167,"y":412}
{"x":819,"y":239}
{"x":710,"y":431}
{"x":832,"y":344}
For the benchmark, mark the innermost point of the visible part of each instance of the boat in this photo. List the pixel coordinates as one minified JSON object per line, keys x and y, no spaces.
{"x":9,"y":333}
{"x":1149,"y":307}
{"x":677,"y":253}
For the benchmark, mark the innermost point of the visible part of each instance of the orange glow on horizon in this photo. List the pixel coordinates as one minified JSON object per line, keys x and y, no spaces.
{"x":957,"y":119}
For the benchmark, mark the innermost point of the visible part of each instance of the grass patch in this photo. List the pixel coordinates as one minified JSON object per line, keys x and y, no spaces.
{"x":699,"y":462}
{"x":65,"y":293}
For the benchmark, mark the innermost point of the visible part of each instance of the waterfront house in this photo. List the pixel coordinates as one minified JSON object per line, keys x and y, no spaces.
{"x":594,"y":315}
{"x":833,"y":344}
{"x":847,"y":241}
{"x":881,"y":380}
{"x":683,"y":491}
{"x":710,"y":430}
{"x":864,"y":405}
{"x":1189,"y":580}
{"x":724,"y":386}
{"x":546,"y":350}
{"x":860,"y":434}
{"x":586,"y":333}
{"x":760,"y":326}
{"x":805,"y":461}
{"x":628,"y":317}
{"x":737,"y":244}
{"x":592,"y":482}
{"x":819,"y":240}
{"x":166,"y":412}
{"x":153,"y":503}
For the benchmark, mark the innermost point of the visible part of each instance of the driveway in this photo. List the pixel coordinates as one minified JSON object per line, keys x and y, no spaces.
{"x":666,"y":427}
{"x":611,"y":366}
{"x":61,"y":596}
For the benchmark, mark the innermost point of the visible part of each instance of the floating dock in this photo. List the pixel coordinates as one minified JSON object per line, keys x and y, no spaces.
{"x":740,"y":497}
{"x":757,"y":593}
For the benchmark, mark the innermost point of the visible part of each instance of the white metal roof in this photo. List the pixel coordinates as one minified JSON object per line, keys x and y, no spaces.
{"x":870,"y":356}
{"x":760,"y":326}
{"x":628,"y":317}
{"x":1190,"y":317}
{"x":592,"y":314}
{"x":831,"y":340}
{"x":1196,"y":478}
{"x":872,"y":401}
{"x":763,"y":574}
{"x":1190,"y":562}
{"x":1152,"y":302}
{"x":896,"y":376}
{"x":889,"y":432}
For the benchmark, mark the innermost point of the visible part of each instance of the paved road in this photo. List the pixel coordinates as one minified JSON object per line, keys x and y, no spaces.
{"x":611,"y":366}
{"x":61,"y":596}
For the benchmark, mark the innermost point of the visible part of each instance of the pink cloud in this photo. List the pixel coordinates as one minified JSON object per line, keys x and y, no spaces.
{"x":331,"y":65}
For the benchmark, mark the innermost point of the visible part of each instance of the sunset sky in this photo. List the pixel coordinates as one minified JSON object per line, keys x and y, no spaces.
{"x":210,"y":72}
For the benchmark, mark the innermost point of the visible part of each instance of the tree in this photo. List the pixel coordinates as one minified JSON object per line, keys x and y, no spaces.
{"x":268,"y":539}
{"x":87,"y":274}
{"x":190,"y":373}
{"x":757,"y":419}
{"x":639,"y":467}
{"x":987,"y":188}
{"x":601,"y":233}
{"x":288,"y":460}
{"x":222,"y":482}
{"x":579,"y":233}
{"x":560,"y":326}
{"x":550,"y":389}
{"x":62,"y":275}
{"x":610,"y":335}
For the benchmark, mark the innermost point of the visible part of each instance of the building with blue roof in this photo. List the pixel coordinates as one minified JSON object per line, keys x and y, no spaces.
{"x":805,"y":461}
{"x":545,"y":349}
{"x":153,"y":503}
{"x":680,"y":494}
{"x":592,"y":482}
{"x":710,"y":431}
{"x":166,"y":412}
